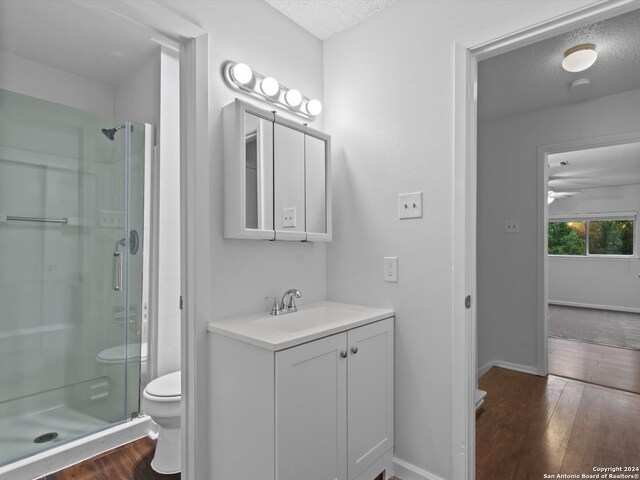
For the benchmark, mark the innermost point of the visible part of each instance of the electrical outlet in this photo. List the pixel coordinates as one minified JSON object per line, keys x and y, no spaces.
{"x":289,"y":217}
{"x":390,"y":269}
{"x":410,"y":205}
{"x":512,"y":226}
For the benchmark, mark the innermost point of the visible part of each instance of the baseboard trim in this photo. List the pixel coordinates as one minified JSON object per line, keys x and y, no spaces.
{"x":594,"y":306}
{"x":407,"y":471}
{"x":57,"y":458}
{"x":516,"y":367}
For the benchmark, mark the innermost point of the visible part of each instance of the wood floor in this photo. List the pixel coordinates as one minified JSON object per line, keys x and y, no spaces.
{"x":128,"y":462}
{"x":599,"y":364}
{"x":530,"y":425}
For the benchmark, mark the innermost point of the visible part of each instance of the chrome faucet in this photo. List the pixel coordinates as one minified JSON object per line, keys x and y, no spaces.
{"x":280,"y":307}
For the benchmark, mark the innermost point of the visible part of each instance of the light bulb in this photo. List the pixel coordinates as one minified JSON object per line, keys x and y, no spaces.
{"x":579,"y":58}
{"x":314,"y":107}
{"x":242,"y":73}
{"x":269,"y":86}
{"x":293,"y":97}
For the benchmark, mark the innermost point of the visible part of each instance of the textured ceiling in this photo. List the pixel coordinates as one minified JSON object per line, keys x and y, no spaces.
{"x":531,"y":78}
{"x":325,"y":18}
{"x":595,"y":167}
{"x":68,"y":35}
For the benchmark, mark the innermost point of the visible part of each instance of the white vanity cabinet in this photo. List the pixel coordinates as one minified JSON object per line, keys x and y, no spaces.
{"x":334,"y":404}
{"x":276,"y":177}
{"x":322,"y":410}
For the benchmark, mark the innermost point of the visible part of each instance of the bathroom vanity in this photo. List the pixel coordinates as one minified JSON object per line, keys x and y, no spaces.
{"x":307,"y":395}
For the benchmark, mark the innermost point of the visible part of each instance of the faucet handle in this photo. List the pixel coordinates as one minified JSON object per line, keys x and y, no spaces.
{"x":275,"y":308}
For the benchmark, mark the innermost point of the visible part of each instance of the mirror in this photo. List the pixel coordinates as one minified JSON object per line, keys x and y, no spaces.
{"x":258,"y":163}
{"x":316,"y":181}
{"x":289,"y":180}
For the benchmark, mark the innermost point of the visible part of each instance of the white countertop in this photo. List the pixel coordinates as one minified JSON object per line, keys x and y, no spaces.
{"x":310,"y":322}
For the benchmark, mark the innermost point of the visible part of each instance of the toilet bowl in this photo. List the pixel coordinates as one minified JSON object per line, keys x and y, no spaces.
{"x":161,"y":401}
{"x":111,"y":365}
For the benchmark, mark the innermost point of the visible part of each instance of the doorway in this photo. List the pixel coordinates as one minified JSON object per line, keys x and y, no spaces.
{"x":593,"y":320}
{"x":531,"y":359}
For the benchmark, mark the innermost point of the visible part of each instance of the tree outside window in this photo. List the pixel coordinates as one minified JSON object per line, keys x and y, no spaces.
{"x":591,"y":237}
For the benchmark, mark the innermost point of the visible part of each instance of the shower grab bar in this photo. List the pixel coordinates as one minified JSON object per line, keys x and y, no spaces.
{"x":37,"y":219}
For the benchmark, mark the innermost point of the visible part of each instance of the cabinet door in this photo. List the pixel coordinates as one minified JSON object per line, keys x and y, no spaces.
{"x":288,"y":173}
{"x":370,"y":394}
{"x":317,"y":188}
{"x":311,"y":417}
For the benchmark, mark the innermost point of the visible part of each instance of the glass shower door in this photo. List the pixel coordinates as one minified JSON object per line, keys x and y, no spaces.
{"x":70,"y":343}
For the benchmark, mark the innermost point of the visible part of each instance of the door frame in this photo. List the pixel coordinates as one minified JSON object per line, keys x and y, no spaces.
{"x":543,"y":217}
{"x":529,"y":28}
{"x":192,"y":40}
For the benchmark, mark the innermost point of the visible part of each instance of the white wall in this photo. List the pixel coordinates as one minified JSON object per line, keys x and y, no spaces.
{"x":597,"y":282}
{"x":245,"y":271}
{"x":507,"y":189}
{"x":137,"y":97}
{"x":30,"y":78}
{"x":169,"y":289}
{"x":392,"y":135}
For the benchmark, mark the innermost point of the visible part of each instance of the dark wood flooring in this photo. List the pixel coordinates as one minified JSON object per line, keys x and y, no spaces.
{"x":530,"y":425}
{"x":600,"y":364}
{"x":128,"y":462}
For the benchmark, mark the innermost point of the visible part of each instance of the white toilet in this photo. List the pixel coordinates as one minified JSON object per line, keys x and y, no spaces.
{"x":161,"y":401}
{"x":111,"y":364}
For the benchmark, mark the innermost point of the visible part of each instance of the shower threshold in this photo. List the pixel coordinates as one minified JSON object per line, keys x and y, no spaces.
{"x":71,"y":446}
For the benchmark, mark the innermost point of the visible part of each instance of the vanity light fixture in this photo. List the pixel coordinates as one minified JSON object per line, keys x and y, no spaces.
{"x":580,"y":57}
{"x":313,"y":107}
{"x":240,"y":76}
{"x":293,"y":97}
{"x":269,"y":86}
{"x":242,"y":73}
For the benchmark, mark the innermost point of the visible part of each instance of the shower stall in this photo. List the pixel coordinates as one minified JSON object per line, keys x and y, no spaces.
{"x":71,"y":273}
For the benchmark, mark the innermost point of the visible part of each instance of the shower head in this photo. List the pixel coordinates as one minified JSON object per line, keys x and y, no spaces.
{"x":110,"y":133}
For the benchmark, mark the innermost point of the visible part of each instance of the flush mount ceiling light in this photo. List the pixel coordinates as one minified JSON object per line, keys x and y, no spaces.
{"x":240,"y":76}
{"x":580,"y":57}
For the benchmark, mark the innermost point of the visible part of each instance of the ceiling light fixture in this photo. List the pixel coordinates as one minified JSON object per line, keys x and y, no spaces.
{"x":241,"y":77}
{"x":579,"y":58}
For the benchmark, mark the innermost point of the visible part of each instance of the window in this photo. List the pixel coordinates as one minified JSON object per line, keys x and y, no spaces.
{"x":591,"y":236}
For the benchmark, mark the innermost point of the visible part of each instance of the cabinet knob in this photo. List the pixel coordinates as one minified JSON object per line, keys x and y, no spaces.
{"x":354,"y":350}
{"x":343,"y":354}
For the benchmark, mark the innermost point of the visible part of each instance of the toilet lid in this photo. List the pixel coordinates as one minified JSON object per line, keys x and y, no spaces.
{"x":165,"y":386}
{"x":117,"y":354}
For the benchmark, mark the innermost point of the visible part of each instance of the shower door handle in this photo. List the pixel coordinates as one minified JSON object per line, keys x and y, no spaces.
{"x":117,"y":270}
{"x":118,"y":265}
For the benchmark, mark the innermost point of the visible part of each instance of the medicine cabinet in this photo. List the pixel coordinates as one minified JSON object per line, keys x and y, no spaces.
{"x":276,"y":177}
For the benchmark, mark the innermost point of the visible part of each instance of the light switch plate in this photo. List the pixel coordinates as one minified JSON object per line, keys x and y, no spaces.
{"x":289,"y":217}
{"x":390,"y":269}
{"x":512,"y":226}
{"x":410,"y":205}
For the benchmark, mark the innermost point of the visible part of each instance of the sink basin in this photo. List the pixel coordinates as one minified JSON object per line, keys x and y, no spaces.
{"x":310,"y":322}
{"x":312,"y":318}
